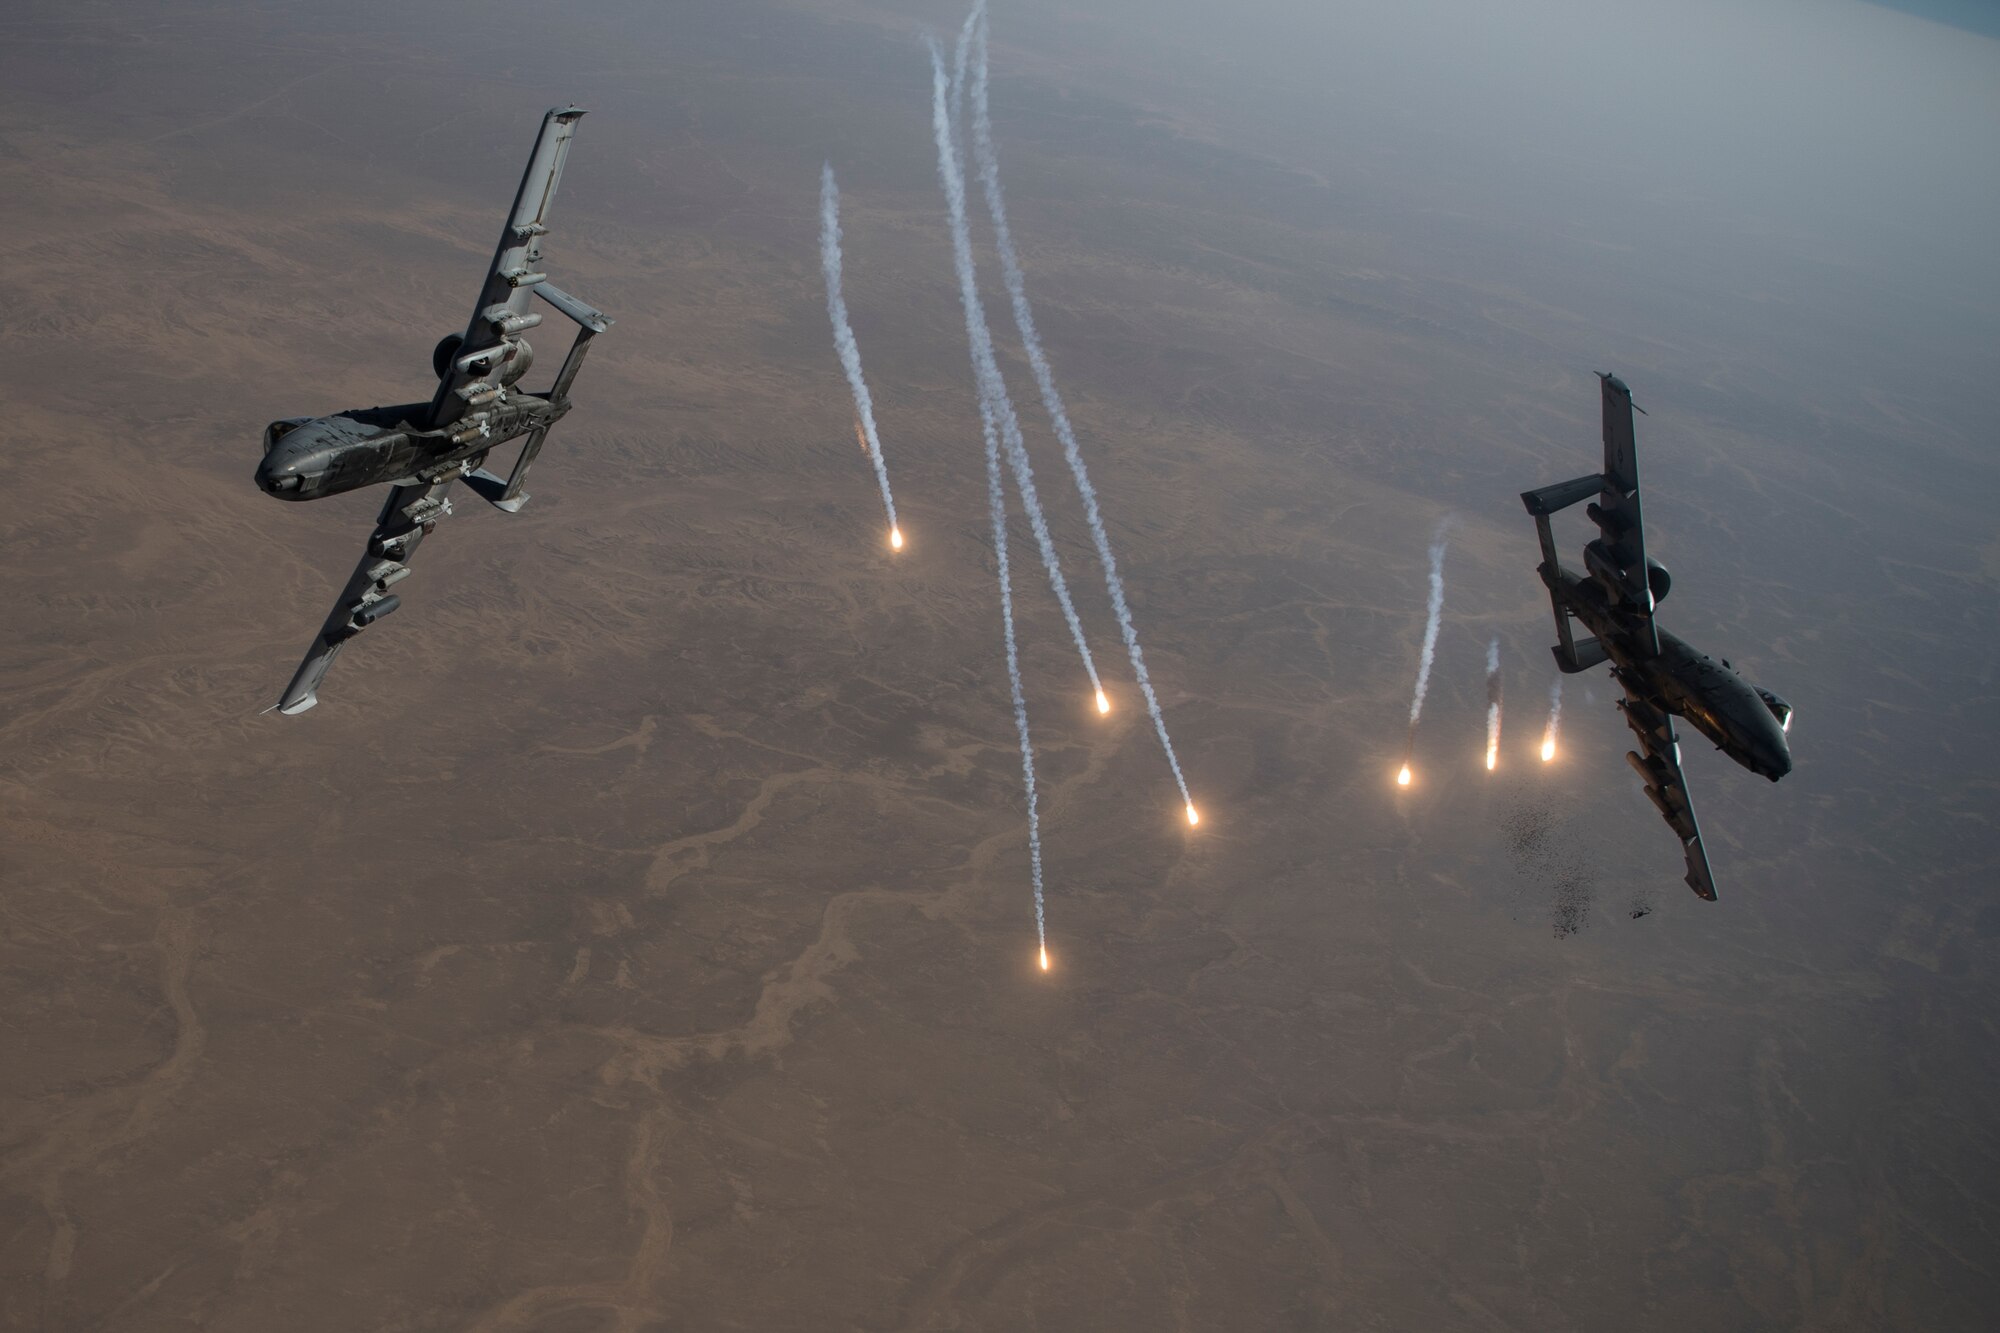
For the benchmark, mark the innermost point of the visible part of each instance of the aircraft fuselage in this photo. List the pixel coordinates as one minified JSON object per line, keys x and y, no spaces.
{"x":321,"y":456}
{"x":1683,"y":680}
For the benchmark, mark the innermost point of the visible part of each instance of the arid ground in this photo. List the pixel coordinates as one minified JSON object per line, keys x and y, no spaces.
{"x":638,"y":935}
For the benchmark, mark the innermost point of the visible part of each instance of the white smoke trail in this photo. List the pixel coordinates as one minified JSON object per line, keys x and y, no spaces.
{"x":843,"y":335}
{"x":988,"y":160}
{"x":1433,"y":616}
{"x":989,"y":414}
{"x":1493,"y":703}
{"x":992,"y":385}
{"x":961,"y":53}
{"x":1555,"y":719}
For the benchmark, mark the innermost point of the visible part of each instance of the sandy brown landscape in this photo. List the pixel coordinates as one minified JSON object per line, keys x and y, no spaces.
{"x":638,"y":935}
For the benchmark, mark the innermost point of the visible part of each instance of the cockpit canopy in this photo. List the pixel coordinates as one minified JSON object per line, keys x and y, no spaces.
{"x":278,"y":430}
{"x":1779,"y":709}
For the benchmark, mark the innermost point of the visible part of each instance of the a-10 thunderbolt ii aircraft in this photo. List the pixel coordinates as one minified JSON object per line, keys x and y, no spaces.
{"x":422,"y":448}
{"x":1663,"y":677}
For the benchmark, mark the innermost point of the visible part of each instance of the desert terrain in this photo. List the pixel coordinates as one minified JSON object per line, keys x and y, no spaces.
{"x":638,"y":935}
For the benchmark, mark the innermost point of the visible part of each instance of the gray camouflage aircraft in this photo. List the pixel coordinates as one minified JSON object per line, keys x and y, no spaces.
{"x":422,"y":448}
{"x":1662,"y":676}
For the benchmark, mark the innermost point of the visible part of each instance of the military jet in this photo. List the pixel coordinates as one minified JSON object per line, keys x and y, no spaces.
{"x":420,"y":449}
{"x":1663,"y":677}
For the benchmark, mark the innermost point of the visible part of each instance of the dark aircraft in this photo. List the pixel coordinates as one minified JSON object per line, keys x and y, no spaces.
{"x":1662,"y":677}
{"x":422,"y":448}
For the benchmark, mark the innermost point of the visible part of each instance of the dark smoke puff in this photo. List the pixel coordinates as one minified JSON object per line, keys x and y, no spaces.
{"x":1530,"y":834}
{"x":1575,"y":893}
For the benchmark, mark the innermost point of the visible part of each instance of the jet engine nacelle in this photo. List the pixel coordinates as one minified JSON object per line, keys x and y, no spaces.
{"x":517,"y":365}
{"x":445,"y":353}
{"x":1779,"y":708}
{"x":519,"y":357}
{"x":1658,"y":579}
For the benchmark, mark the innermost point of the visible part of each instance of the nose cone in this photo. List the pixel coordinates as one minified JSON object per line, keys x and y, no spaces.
{"x":294,"y":466}
{"x":1770,"y":754}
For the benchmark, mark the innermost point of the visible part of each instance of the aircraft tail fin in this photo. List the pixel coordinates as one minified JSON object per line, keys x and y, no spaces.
{"x":504,"y":494}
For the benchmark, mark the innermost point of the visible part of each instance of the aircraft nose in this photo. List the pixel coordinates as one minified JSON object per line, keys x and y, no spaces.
{"x":1774,"y":756}
{"x":292,"y":469}
{"x":1779,"y":765}
{"x":279,"y":476}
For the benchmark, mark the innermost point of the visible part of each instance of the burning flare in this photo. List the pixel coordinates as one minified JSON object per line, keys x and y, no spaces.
{"x":1403,"y":777}
{"x":1492,"y":705}
{"x":1194,"y":816}
{"x":1103,"y":704}
{"x":1548,"y":747}
{"x":895,"y":539}
{"x":1045,"y":958}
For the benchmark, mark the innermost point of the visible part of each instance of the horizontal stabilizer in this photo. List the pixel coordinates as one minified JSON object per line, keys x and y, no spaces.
{"x":588,"y":316}
{"x":1562,"y":495}
{"x":1583,"y":654}
{"x":488,"y":487}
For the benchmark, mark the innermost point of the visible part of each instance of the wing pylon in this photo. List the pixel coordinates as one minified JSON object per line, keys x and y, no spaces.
{"x":1658,"y":764}
{"x":410,"y":513}
{"x":501,"y":313}
{"x":1617,"y":559}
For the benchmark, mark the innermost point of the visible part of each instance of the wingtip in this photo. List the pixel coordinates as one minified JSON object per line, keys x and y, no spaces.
{"x":302,"y":704}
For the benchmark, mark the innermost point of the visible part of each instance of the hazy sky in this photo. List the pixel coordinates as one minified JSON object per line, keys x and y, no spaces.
{"x":1836,"y":153}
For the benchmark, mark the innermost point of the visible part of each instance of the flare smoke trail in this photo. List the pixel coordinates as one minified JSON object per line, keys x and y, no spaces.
{"x":986,"y":374}
{"x":843,"y":335}
{"x":973,"y":38}
{"x":1493,"y":703}
{"x":1433,"y":616}
{"x":989,"y":421}
{"x":1555,"y":719}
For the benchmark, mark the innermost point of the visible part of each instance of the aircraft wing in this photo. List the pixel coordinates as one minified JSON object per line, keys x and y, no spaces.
{"x":411,"y":511}
{"x":1618,"y":558}
{"x":471,"y":379}
{"x":1658,"y":763}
